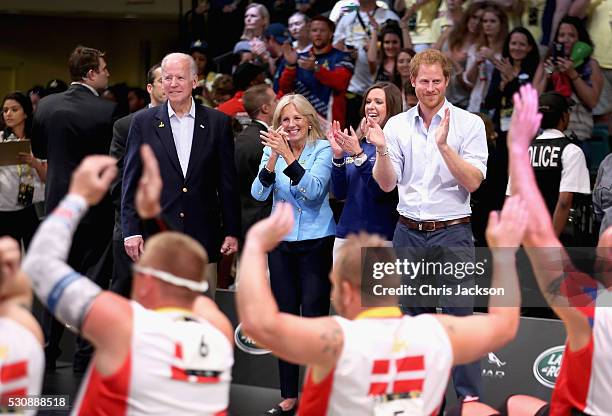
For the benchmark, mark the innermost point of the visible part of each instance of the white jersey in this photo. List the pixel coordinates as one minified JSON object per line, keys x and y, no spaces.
{"x":177,"y":365}
{"x":585,"y":379}
{"x":389,"y":365}
{"x":22,"y":362}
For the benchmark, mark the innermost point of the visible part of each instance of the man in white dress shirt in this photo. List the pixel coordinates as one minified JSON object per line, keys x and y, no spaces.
{"x":436,"y":154}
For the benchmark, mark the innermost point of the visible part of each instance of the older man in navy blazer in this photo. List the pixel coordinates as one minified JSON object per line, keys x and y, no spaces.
{"x":194,"y":146}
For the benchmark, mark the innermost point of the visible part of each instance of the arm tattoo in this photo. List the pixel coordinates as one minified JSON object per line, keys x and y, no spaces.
{"x":332,"y":341}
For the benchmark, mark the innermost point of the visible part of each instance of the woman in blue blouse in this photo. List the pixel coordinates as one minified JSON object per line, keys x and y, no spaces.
{"x":367,"y":207}
{"x":296,"y":167}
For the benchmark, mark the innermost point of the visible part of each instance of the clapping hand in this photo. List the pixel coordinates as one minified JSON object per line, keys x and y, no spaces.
{"x":307,"y":63}
{"x":331,"y":136}
{"x":349,"y":142}
{"x":525,"y":119}
{"x":289,"y":54}
{"x":277,"y":141}
{"x":442,"y":130}
{"x":375,"y":134}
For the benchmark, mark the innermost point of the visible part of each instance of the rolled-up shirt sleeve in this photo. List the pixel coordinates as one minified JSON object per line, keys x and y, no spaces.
{"x":474,"y":147}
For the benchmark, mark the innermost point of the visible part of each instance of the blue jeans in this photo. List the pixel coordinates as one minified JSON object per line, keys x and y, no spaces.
{"x":466,"y":378}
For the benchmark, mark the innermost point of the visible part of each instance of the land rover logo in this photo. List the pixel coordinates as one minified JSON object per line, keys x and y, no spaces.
{"x":546,"y":367}
{"x":246,"y":344}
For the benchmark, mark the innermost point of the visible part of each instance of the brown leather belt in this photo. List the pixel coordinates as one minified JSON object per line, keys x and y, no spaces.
{"x":431,"y":225}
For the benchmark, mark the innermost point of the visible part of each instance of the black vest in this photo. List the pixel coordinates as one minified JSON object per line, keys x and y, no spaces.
{"x":545,"y":156}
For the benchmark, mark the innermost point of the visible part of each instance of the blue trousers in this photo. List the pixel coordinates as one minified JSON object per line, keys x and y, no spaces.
{"x":299,"y":278}
{"x":466,"y":378}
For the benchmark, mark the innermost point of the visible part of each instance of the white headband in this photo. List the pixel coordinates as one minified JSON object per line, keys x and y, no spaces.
{"x":200,"y":287}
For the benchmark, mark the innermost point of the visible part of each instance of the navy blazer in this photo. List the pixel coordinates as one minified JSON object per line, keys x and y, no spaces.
{"x":204,"y":204}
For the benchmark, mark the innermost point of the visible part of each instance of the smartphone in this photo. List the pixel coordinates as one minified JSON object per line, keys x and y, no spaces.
{"x":558,"y":51}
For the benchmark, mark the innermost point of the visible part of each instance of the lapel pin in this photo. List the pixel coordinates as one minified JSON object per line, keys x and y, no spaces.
{"x":201,"y":126}
{"x":161,"y":124}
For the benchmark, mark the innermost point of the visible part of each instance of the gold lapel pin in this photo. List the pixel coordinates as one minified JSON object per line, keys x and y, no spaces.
{"x":161,"y":124}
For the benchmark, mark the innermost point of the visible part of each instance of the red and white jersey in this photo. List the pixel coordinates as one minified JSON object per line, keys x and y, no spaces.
{"x":585,"y":378}
{"x":177,"y":365}
{"x":22,"y":362}
{"x":390,"y":365}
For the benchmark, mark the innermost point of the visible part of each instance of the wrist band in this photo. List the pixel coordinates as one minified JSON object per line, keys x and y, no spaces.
{"x":338,"y":165}
{"x":358,"y":154}
{"x":385,"y":153}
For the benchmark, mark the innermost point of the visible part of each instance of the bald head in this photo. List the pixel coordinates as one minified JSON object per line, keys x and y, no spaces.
{"x":177,"y":254}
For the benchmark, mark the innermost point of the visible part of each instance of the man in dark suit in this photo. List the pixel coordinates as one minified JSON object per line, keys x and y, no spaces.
{"x":122,"y":273}
{"x":68,"y":127}
{"x":195,"y":150}
{"x":260,"y":103}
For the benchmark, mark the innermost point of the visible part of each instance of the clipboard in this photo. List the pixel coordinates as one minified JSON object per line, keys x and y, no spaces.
{"x":9,"y":151}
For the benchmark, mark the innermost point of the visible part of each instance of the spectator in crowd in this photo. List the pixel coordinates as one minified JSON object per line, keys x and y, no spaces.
{"x":366,"y":208}
{"x":402,"y":65}
{"x":68,"y":127}
{"x":420,"y":15}
{"x":461,"y":38}
{"x":519,"y":64}
{"x":118,"y":94}
{"x":21,"y":183}
{"x":600,"y":30}
{"x":353,"y":35}
{"x":446,"y":21}
{"x":270,"y":52}
{"x":559,"y":165}
{"x":574,"y":74}
{"x":296,"y":167}
{"x":21,"y":338}
{"x":256,"y":21}
{"x":434,"y":208}
{"x":199,"y":52}
{"x":153,"y":344}
{"x":300,"y":32}
{"x":137,"y":99}
{"x":347,"y":354}
{"x":122,"y":273}
{"x":245,"y":76}
{"x":602,"y":194}
{"x":36,"y":93}
{"x":382,"y":62}
{"x":342,"y":7}
{"x":321,"y":74}
{"x":55,"y":86}
{"x":259,"y":102}
{"x":482,"y":55}
{"x":409,"y":96}
{"x":222,"y":89}
{"x":195,"y":149}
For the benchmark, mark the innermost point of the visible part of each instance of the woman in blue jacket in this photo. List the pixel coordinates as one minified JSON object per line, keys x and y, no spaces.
{"x":367,"y":207}
{"x":296,"y":167}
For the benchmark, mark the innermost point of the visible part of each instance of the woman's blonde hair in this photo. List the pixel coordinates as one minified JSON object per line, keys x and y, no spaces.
{"x":265,"y":17}
{"x":303,"y":106}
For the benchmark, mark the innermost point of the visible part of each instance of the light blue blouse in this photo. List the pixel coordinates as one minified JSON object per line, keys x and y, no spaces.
{"x":309,"y":197}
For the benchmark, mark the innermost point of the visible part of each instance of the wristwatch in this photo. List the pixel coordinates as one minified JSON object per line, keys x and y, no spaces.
{"x":360,"y":160}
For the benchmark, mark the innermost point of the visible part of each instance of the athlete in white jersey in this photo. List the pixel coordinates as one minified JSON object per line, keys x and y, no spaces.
{"x":169,"y":350}
{"x":22,"y":360}
{"x":374,"y":361}
{"x":584,"y":385}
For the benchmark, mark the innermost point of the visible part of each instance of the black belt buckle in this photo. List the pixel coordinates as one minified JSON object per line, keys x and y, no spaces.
{"x":427,"y":229}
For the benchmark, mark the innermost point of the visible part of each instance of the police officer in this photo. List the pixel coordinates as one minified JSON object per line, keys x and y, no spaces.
{"x":559,"y":165}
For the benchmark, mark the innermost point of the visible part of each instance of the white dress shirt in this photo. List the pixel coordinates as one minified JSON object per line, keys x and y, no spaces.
{"x":182,"y":132}
{"x":427,"y":189}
